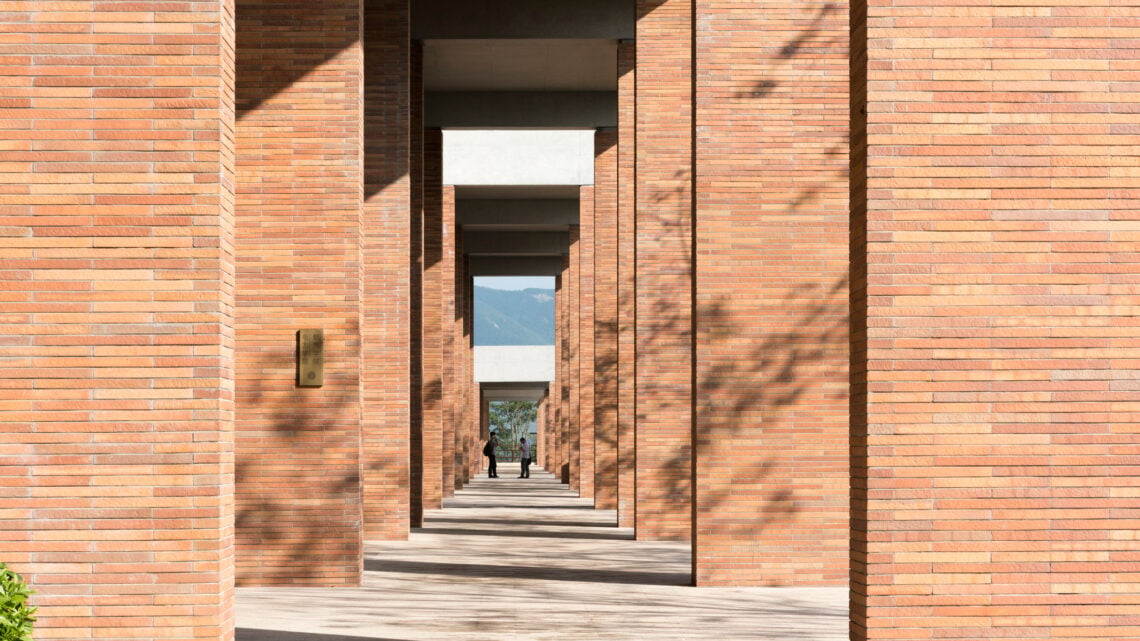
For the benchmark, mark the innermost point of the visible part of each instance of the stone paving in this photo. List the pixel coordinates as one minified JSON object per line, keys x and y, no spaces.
{"x":513,"y":559}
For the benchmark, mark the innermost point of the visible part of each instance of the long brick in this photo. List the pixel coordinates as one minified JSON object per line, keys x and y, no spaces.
{"x":117,"y":329}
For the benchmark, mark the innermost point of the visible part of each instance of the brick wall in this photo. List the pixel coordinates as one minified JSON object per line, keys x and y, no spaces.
{"x":299,"y":175}
{"x":995,"y":466}
{"x":627,"y":284}
{"x":664,"y":269}
{"x":605,"y":365}
{"x":116,"y":329}
{"x":586,"y":402}
{"x":771,"y":271}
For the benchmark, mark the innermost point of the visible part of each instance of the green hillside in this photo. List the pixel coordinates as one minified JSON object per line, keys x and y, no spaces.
{"x":521,"y":317}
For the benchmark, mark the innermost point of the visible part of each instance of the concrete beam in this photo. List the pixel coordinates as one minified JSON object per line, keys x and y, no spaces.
{"x":513,"y":391}
{"x":515,"y":265}
{"x":539,"y":109}
{"x":514,"y":363}
{"x":525,"y":243}
{"x":558,"y":213}
{"x":523,"y":19}
{"x":518,"y":157}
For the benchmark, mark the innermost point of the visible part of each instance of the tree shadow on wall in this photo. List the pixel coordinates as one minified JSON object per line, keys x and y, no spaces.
{"x":810,"y":40}
{"x":298,"y":491}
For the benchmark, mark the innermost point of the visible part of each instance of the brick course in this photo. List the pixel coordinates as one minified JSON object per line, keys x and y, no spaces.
{"x":116,"y":329}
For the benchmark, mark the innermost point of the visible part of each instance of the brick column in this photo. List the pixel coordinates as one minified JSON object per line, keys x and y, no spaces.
{"x":627,"y":285}
{"x":452,"y":242}
{"x":561,"y":346}
{"x":470,"y":432}
{"x":664,"y":268}
{"x":300,"y":176}
{"x":573,"y":352}
{"x":434,"y":220}
{"x":605,"y":269}
{"x":116,"y":285}
{"x":416,"y":293}
{"x":585,"y":317}
{"x":995,"y":198}
{"x":772,"y":221}
{"x":387,"y":272}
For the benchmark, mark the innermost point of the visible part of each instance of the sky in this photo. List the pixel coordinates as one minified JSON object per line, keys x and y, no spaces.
{"x":515,"y":282}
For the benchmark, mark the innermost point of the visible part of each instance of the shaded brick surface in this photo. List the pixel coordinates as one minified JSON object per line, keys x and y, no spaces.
{"x":116,"y":315}
{"x":386,"y":360}
{"x":435,"y":319}
{"x":995,"y":421}
{"x":771,"y":270}
{"x":299,"y":203}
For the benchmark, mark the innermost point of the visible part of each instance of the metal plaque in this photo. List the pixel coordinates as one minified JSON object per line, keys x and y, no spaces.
{"x":310,"y":357}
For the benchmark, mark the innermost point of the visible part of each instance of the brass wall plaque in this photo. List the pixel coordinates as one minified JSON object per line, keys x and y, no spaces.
{"x":310,"y":357}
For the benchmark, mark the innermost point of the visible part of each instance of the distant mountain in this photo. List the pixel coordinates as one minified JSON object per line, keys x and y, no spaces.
{"x":520,"y":317}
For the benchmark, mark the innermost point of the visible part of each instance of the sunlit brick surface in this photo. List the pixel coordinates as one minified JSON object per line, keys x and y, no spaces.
{"x":605,"y":362}
{"x":627,"y":283}
{"x":116,"y":327}
{"x":664,"y":269}
{"x":996,"y":480}
{"x":771,"y":271}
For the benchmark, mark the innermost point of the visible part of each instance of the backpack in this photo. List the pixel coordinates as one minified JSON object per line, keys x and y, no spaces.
{"x":489,"y":448}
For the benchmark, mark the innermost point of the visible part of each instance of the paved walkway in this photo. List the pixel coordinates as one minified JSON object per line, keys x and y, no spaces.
{"x":513,"y":559}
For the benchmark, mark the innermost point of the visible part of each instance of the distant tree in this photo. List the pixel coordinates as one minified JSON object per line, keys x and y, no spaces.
{"x":511,"y":421}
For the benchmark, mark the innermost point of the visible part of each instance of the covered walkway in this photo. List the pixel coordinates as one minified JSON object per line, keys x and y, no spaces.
{"x":526,"y":559}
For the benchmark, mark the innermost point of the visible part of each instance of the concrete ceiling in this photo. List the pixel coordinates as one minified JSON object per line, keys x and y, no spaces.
{"x":520,"y":65}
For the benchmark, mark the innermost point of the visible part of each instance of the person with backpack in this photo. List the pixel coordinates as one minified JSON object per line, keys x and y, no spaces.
{"x":489,"y":452}
{"x":524,"y":449}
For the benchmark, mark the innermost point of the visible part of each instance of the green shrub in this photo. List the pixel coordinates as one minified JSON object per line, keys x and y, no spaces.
{"x":16,"y":616}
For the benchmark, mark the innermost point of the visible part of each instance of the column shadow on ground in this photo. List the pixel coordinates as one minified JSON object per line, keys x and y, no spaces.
{"x":536,"y":573}
{"x":250,"y":634}
{"x":507,"y":531}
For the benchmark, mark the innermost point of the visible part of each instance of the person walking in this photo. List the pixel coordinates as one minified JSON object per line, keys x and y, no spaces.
{"x":489,"y":452}
{"x":524,"y":447}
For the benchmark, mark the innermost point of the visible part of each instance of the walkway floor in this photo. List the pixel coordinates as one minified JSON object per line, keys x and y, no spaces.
{"x":512,"y":559}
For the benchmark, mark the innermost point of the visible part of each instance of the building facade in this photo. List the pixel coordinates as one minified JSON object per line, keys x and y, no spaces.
{"x":849,"y":299}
